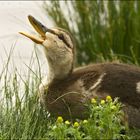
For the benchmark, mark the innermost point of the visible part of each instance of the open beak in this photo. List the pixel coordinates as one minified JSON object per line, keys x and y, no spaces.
{"x":39,"y":27}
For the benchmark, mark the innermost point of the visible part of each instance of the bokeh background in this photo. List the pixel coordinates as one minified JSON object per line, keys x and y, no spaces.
{"x":104,"y":30}
{"x":13,"y":18}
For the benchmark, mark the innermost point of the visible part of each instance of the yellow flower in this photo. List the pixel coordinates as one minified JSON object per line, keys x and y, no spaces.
{"x":102,"y":102}
{"x":59,"y":119}
{"x":93,"y":101}
{"x":85,"y":121}
{"x":76,"y":124}
{"x":67,"y":122}
{"x":108,"y":99}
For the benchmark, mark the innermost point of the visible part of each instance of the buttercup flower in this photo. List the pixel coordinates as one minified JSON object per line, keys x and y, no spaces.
{"x":108,"y":99}
{"x":59,"y":119}
{"x":93,"y":101}
{"x":67,"y":122}
{"x":76,"y":124}
{"x":102,"y":102}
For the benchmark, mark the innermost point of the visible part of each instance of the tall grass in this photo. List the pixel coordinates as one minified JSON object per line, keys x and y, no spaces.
{"x":21,"y":115}
{"x":103,"y":30}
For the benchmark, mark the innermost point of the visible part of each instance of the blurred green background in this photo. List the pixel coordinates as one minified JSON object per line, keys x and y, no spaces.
{"x":103,"y":30}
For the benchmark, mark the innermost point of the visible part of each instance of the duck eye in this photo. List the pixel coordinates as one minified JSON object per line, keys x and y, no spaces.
{"x":61,"y":36}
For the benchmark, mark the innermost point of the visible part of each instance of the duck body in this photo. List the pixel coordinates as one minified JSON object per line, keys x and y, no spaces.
{"x":67,"y":97}
{"x":66,"y":91}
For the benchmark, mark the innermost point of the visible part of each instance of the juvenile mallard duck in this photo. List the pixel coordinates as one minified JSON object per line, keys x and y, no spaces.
{"x":66,"y":90}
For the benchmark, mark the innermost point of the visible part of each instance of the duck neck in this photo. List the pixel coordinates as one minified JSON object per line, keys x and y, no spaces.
{"x":59,"y":72}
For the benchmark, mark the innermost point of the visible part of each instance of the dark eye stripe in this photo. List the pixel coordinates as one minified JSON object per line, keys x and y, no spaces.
{"x":60,"y":36}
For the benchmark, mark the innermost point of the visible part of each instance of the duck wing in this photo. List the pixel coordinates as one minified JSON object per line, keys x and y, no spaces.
{"x":116,"y":80}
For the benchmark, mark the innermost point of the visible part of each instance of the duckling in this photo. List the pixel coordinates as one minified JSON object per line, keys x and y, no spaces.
{"x":66,"y":89}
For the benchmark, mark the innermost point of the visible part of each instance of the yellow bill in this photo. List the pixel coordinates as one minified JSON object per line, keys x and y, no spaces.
{"x":39,"y":27}
{"x":33,"y":38}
